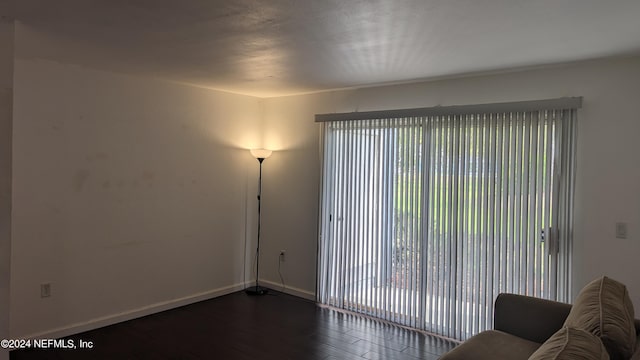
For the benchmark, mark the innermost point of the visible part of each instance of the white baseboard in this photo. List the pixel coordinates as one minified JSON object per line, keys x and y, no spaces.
{"x":133,"y":314}
{"x":289,"y":290}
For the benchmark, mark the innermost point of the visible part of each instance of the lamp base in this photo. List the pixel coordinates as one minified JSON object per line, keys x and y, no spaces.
{"x":256,"y":290}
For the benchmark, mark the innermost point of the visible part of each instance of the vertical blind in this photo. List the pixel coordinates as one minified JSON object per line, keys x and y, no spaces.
{"x":425,"y":219}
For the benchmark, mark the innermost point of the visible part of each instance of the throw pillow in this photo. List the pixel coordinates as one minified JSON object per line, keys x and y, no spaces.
{"x":570,"y":344}
{"x":603,"y":308}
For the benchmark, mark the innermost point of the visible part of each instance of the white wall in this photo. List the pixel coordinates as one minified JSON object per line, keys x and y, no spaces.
{"x":608,"y":174}
{"x":130,"y":195}
{"x":290,"y":192}
{"x":6,"y":120}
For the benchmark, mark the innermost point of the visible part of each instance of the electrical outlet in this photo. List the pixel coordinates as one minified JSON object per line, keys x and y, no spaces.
{"x":282,"y":253}
{"x":45,"y":290}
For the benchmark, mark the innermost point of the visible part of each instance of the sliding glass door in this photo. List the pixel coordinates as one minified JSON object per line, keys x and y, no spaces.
{"x":424,"y":220}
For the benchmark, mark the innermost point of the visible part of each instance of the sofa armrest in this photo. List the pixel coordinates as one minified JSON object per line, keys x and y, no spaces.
{"x":528,"y":317}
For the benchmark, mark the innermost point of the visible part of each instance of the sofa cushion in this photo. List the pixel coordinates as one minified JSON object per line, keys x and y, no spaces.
{"x":529,"y":317}
{"x":603,"y":308}
{"x":491,"y":345}
{"x":569,"y":344}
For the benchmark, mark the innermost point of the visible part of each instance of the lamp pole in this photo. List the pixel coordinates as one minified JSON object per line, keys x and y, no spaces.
{"x":260,"y":155}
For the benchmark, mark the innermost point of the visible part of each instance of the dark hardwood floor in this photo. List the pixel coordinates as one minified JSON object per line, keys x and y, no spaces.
{"x":237,"y":326}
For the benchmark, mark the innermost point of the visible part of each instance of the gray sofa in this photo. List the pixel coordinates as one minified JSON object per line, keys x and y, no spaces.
{"x":521,"y":325}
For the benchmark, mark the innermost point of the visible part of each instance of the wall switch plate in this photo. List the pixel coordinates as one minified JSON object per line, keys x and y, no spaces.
{"x":621,"y":230}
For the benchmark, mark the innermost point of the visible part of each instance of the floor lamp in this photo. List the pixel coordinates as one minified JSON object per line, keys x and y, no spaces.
{"x":259,"y":154}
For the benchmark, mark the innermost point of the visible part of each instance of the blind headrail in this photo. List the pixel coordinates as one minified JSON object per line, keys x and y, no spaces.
{"x":518,"y":106}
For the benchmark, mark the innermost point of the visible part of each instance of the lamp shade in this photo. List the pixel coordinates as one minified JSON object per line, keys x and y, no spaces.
{"x":261,"y":153}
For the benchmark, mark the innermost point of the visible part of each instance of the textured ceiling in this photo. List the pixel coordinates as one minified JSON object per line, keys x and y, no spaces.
{"x":279,"y":47}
